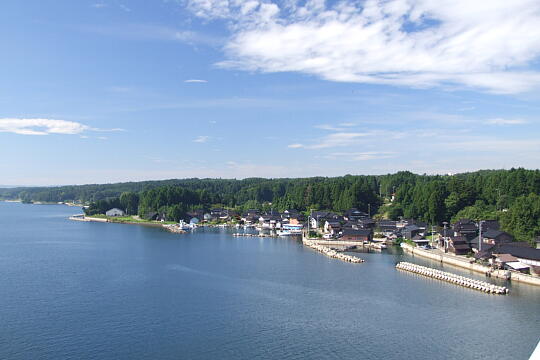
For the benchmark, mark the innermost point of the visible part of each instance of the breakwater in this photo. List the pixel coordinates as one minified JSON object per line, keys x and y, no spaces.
{"x":332,"y":253}
{"x":452,"y":278}
{"x":254,"y":235}
{"x":471,"y":265}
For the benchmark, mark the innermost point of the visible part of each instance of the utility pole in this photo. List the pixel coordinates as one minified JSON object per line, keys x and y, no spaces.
{"x":369,"y":210}
{"x":480,"y":236}
{"x":445,"y":239}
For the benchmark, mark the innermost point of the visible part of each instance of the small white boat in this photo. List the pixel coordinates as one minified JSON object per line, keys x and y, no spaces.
{"x":182,"y":225}
{"x":290,"y":230}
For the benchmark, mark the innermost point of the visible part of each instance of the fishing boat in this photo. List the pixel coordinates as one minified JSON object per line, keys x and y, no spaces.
{"x":290,"y":230}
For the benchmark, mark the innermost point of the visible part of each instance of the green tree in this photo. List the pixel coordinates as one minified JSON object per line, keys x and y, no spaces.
{"x":523,"y":218}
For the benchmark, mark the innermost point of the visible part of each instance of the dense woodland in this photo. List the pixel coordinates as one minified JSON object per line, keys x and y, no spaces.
{"x":511,"y":196}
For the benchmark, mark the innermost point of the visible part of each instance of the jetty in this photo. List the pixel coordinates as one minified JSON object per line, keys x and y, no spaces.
{"x":453,"y":278}
{"x":332,"y":253}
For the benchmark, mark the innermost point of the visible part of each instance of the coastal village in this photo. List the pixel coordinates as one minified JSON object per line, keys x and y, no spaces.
{"x":465,"y":243}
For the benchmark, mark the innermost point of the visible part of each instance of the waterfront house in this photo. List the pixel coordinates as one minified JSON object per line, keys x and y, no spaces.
{"x":207,"y":217}
{"x":387,"y":226}
{"x":221,"y":214}
{"x":356,"y":235}
{"x":332,"y":227}
{"x":458,"y":245}
{"x":420,"y":240}
{"x":270,"y":221}
{"x":155,"y":216}
{"x":525,"y":254}
{"x":410,"y":231}
{"x":318,"y":218}
{"x":115,"y":212}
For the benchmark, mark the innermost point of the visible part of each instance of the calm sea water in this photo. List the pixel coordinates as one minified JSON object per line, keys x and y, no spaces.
{"x":108,"y":291}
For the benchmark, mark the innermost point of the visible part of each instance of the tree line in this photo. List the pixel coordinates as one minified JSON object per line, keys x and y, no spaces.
{"x":511,"y":196}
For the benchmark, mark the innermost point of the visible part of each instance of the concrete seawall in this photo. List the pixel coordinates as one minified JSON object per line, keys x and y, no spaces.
{"x":453,"y":260}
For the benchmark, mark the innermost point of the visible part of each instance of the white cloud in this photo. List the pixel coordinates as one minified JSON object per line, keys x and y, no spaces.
{"x":201,"y":139}
{"x":41,"y":126}
{"x":48,"y":126}
{"x":195,"y":81}
{"x":487,"y":45}
{"x":499,"y":121}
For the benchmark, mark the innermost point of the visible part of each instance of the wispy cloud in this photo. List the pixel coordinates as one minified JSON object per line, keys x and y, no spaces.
{"x":47,"y":126}
{"x":463,"y":43}
{"x":500,"y":121}
{"x":151,"y":32}
{"x":360,"y":156}
{"x":196,"y":81}
{"x":41,"y":126}
{"x":201,"y":139}
{"x":333,"y":140}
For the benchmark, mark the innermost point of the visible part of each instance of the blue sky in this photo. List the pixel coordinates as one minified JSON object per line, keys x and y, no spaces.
{"x":113,"y":90}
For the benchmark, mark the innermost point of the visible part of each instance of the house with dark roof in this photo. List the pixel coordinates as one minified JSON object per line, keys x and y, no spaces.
{"x":356,"y":235}
{"x":354,"y":215}
{"x":332,"y":227}
{"x":387,"y":226}
{"x":270,"y":221}
{"x":410,"y":231}
{"x":458,"y":245}
{"x":420,"y":240}
{"x":491,"y":237}
{"x":524,"y":253}
{"x":367,"y":223}
{"x":155,"y":216}
{"x":490,"y":225}
{"x":318,"y":218}
{"x":290,"y":213}
{"x":465,"y":228}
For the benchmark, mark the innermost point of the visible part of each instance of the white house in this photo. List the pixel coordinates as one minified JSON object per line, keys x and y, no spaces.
{"x":115,"y":212}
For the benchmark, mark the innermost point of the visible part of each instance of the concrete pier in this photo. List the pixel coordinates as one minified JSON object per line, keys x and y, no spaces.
{"x":453,"y":278}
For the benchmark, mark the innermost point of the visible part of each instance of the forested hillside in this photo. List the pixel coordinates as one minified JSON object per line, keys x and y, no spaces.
{"x":512,"y":196}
